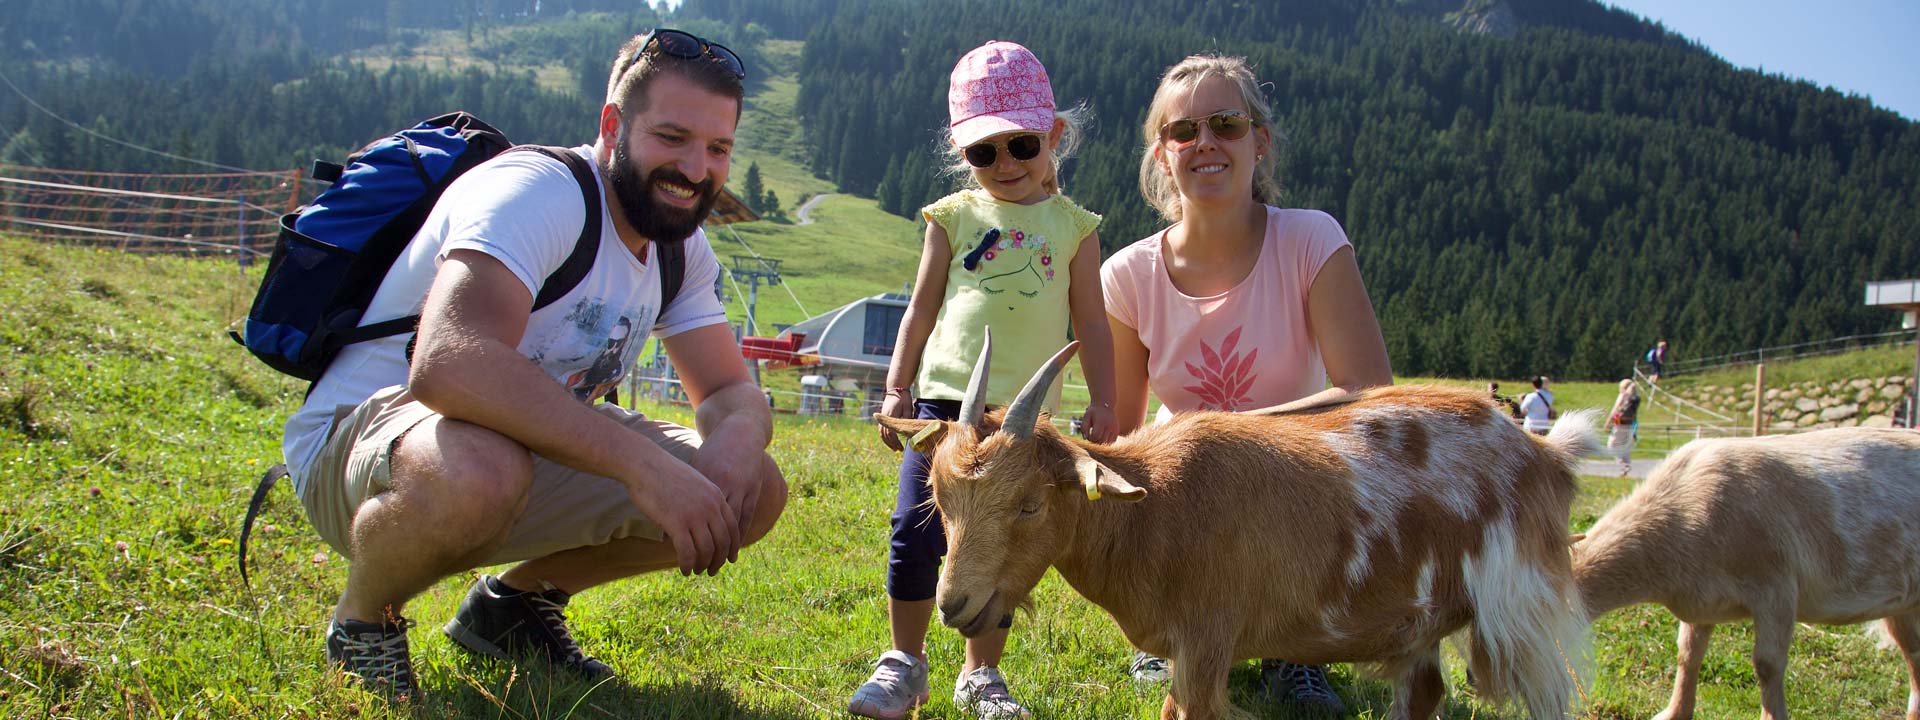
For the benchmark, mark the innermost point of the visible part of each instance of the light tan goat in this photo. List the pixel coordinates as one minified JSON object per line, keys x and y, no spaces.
{"x":1822,"y":527}
{"x":1365,"y":530}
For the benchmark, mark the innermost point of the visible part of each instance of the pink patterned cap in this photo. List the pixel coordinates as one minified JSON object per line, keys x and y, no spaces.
{"x":995,"y":88}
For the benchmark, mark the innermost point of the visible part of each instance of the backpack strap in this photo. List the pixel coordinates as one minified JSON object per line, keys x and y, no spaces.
{"x":562,"y":281}
{"x":578,"y":264}
{"x":673,"y":272}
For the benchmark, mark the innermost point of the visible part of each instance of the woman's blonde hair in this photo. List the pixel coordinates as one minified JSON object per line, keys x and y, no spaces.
{"x":1075,"y":121}
{"x":1627,"y":386}
{"x":1155,"y":185}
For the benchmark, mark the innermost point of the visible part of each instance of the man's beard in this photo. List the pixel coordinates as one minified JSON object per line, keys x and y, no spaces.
{"x":654,"y":220}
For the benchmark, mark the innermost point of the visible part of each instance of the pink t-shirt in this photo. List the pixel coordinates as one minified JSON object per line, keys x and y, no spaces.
{"x":1247,"y":348}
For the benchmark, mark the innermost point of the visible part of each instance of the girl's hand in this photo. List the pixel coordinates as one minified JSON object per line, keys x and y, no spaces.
{"x":1099,"y":424}
{"x":898,"y":406}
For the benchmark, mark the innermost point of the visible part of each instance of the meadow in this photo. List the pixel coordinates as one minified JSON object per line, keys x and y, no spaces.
{"x":132,"y":431}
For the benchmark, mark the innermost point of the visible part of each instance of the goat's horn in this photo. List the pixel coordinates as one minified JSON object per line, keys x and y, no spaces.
{"x":975,"y":403}
{"x":1025,"y":410}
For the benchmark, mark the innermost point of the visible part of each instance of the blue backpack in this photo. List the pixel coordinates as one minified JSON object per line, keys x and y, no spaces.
{"x":333,"y":253}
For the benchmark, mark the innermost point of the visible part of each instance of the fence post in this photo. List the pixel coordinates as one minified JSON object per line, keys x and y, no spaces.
{"x":245,"y":258}
{"x":1759,"y":393}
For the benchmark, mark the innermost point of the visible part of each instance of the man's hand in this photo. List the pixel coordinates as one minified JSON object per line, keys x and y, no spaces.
{"x":736,"y":472}
{"x":1099,"y":424}
{"x":897,"y":406}
{"x":693,"y":513}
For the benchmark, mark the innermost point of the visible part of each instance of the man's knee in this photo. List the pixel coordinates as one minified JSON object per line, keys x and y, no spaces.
{"x":773,"y":500}
{"x":469,"y":474}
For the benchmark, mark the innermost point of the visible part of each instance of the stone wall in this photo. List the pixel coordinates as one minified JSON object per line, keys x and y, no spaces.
{"x":1808,"y":405}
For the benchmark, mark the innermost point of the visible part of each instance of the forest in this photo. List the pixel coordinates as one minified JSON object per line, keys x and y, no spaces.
{"x":1531,"y":186}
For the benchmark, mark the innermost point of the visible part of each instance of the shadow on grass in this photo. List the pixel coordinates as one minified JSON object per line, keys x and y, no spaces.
{"x":1364,"y":697}
{"x":491,"y":688}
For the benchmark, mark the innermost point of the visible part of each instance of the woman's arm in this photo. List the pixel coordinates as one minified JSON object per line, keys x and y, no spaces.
{"x":1129,"y":377}
{"x":929,"y":291}
{"x":1341,"y":319}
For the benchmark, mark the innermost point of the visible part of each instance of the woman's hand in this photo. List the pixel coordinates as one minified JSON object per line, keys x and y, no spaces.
{"x":1099,"y":424}
{"x":897,"y":405}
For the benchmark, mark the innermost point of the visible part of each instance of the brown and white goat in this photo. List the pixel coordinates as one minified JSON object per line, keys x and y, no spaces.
{"x":1822,"y":527}
{"x":1366,"y":530}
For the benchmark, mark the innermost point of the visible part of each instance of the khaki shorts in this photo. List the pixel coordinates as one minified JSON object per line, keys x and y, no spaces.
{"x":566,"y":508}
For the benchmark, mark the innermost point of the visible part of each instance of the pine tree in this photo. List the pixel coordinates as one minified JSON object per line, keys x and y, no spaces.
{"x":755,"y":193}
{"x":771,"y":203}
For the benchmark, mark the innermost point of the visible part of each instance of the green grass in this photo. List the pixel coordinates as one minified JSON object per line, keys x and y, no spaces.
{"x":131,"y":432}
{"x":1876,"y":362}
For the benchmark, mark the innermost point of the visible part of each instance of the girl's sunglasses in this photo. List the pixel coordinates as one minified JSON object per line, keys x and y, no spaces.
{"x":688,"y":46}
{"x":1226,"y":125}
{"x":1021,"y":147}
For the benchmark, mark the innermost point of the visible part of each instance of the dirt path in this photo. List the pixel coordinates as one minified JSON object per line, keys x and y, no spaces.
{"x":805,"y":213}
{"x":1610,"y":468}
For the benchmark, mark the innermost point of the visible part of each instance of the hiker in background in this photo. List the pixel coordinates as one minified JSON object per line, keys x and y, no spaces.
{"x":1656,"y":360}
{"x":1623,"y":424}
{"x":1512,"y":408}
{"x":1239,"y":304}
{"x":1009,"y":252}
{"x":422,"y":455}
{"x":1537,"y":406}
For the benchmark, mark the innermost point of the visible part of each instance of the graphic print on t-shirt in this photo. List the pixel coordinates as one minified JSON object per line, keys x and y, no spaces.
{"x":1226,"y":377}
{"x":592,"y":348}
{"x":605,"y":370}
{"x":1017,"y":262}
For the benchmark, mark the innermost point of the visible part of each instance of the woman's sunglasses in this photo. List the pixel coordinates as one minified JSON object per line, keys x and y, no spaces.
{"x":1226,"y":125}
{"x":1021,"y":147}
{"x":688,"y":46}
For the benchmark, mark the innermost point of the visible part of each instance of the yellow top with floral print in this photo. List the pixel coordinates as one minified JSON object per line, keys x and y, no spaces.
{"x":1009,"y":271}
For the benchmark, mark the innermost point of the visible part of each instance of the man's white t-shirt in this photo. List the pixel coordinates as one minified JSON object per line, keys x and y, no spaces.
{"x":1536,"y":406}
{"x":525,"y":210}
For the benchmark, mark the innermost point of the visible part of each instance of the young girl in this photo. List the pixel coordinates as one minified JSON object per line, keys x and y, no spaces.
{"x":1012,"y":253}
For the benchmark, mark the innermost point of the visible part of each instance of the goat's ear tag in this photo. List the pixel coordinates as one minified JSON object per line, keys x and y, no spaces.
{"x":925,"y":432}
{"x":1093,"y":492}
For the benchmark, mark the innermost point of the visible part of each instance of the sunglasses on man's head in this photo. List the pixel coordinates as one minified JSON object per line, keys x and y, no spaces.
{"x":1226,"y":125}
{"x":688,"y":46}
{"x":1021,"y":147}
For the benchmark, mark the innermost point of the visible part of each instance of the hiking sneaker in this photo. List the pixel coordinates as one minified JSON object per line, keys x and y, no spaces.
{"x":983,"y":693}
{"x":1303,"y":687}
{"x":498,"y":621}
{"x":375,"y":654}
{"x":897,"y":686}
{"x":1148,"y":668}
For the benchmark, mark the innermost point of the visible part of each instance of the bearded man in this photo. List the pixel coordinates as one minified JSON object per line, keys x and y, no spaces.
{"x":463,"y":445}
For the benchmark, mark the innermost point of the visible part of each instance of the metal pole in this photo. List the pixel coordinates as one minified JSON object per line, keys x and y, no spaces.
{"x":1759,"y":392}
{"x":753,"y":325}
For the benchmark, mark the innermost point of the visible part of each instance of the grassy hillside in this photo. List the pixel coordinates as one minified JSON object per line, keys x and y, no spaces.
{"x":131,"y":431}
{"x":852,"y":249}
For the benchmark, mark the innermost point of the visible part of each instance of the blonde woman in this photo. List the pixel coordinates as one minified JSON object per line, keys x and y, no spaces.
{"x":1623,"y":424}
{"x":1239,"y":304}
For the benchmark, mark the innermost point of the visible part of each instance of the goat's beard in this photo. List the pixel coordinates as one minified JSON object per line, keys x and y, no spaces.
{"x":653,"y":220}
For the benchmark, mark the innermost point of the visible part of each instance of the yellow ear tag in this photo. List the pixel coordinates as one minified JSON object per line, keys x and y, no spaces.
{"x":1093,"y":492}
{"x":924,"y":433}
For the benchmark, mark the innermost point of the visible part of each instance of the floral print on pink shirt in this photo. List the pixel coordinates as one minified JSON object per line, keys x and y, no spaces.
{"x":1227,"y":377}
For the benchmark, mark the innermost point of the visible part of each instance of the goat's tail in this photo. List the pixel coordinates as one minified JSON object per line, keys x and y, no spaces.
{"x":1573,"y":435}
{"x":1529,"y":630}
